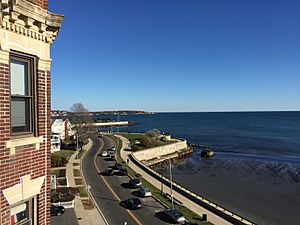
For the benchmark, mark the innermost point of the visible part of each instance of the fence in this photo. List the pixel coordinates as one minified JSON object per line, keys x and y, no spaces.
{"x":67,"y":205}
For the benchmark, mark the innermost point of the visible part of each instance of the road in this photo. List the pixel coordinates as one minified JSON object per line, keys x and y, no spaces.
{"x":108,"y":191}
{"x":68,"y":218}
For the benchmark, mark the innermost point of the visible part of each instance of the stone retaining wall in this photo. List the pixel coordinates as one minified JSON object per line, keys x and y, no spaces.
{"x":119,"y":123}
{"x":153,"y":153}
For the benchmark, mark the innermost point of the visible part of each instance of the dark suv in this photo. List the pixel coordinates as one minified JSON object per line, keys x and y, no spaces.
{"x":57,"y":210}
{"x":173,"y":215}
{"x":133,"y":203}
{"x":122,"y":171}
{"x":135,"y":183}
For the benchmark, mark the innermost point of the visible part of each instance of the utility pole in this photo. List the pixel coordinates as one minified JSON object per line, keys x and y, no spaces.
{"x":77,"y":146}
{"x":171,"y":184}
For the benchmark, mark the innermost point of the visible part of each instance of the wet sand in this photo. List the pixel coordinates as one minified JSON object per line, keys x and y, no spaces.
{"x":266,"y":193}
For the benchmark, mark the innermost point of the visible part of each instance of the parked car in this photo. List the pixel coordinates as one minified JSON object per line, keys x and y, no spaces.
{"x":189,"y":223}
{"x":135,"y":183}
{"x":104,"y":153}
{"x":122,"y":171}
{"x":144,"y":192}
{"x":113,"y":148}
{"x":133,"y":203}
{"x":109,"y":172}
{"x":112,"y":157}
{"x":57,"y":210}
{"x":117,"y":166}
{"x":173,"y":215}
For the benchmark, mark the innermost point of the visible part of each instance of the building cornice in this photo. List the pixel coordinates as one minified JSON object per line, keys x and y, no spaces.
{"x":24,"y":18}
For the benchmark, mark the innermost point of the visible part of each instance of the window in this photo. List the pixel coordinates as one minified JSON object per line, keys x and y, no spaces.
{"x":23,"y":213}
{"x":22,"y":89}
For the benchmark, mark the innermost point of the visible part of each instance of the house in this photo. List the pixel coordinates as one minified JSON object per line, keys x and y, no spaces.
{"x":63,"y":128}
{"x":27,"y":31}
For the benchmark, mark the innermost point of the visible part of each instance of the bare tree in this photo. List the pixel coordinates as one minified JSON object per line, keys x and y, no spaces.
{"x":80,"y":119}
{"x":153,"y":133}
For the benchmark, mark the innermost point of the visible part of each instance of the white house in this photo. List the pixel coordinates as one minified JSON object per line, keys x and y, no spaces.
{"x":63,"y":128}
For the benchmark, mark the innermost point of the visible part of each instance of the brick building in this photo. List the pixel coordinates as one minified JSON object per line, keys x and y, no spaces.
{"x":27,"y":31}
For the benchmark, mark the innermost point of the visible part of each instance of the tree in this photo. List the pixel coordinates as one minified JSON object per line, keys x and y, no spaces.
{"x":147,"y":142}
{"x":81,"y":122}
{"x":153,"y":133}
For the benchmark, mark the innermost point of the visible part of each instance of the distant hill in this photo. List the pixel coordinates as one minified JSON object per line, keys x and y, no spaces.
{"x":119,"y":112}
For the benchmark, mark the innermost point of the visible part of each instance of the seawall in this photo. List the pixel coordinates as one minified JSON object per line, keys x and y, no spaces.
{"x":171,"y":150}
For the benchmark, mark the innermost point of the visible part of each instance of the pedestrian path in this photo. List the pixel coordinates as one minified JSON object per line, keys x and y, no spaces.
{"x":215,"y":219}
{"x":84,"y":217}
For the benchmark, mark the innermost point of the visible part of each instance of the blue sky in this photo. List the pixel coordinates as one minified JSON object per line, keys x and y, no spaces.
{"x":177,"y":55}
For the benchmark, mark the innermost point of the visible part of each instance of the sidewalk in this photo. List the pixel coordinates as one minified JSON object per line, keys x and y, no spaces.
{"x":84,"y":217}
{"x":186,"y":202}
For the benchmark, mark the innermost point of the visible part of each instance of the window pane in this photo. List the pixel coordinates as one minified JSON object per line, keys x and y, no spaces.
{"x":19,"y":77}
{"x":20,"y":213}
{"x":19,"y":114}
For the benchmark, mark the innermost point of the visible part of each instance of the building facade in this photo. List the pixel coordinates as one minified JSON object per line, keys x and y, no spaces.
{"x":27,"y":31}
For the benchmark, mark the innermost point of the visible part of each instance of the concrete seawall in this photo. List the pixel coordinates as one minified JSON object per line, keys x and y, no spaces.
{"x":119,"y":123}
{"x":160,"y":151}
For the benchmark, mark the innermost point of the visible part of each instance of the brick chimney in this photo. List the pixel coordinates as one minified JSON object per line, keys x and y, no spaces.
{"x":66,"y":131}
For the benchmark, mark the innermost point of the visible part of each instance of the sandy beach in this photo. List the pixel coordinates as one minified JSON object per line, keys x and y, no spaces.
{"x":267,"y":193}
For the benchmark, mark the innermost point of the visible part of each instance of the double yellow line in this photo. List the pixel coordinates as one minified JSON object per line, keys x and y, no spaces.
{"x":110,"y":188}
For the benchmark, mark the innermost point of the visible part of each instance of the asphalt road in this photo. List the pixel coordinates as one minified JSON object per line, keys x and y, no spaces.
{"x":68,"y":218}
{"x":108,"y":191}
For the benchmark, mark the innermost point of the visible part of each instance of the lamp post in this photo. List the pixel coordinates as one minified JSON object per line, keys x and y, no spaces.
{"x":171,"y":184}
{"x":77,"y":146}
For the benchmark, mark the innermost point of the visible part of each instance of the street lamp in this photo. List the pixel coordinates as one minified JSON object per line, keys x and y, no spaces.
{"x":171,"y":184}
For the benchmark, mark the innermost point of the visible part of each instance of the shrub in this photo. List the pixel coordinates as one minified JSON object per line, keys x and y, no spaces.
{"x":63,"y":194}
{"x":147,"y":142}
{"x":57,"y":160}
{"x":153,"y":133}
{"x":134,"y":148}
{"x":62,"y":181}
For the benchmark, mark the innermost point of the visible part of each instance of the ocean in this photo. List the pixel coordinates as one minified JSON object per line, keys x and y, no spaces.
{"x":256,"y":169}
{"x":245,"y":134}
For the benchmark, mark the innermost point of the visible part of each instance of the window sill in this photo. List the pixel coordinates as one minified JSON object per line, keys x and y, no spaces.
{"x":13,"y":143}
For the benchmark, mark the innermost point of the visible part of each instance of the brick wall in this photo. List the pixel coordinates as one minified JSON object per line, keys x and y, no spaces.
{"x":4,"y":135}
{"x":27,"y":160}
{"x":41,"y":3}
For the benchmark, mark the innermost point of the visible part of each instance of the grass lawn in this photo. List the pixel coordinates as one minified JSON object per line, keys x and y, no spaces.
{"x":58,"y":173}
{"x":78,"y":181}
{"x":132,"y":137}
{"x":76,"y":173}
{"x":82,"y":192}
{"x":64,"y":153}
{"x":135,"y":136}
{"x":189,"y":215}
